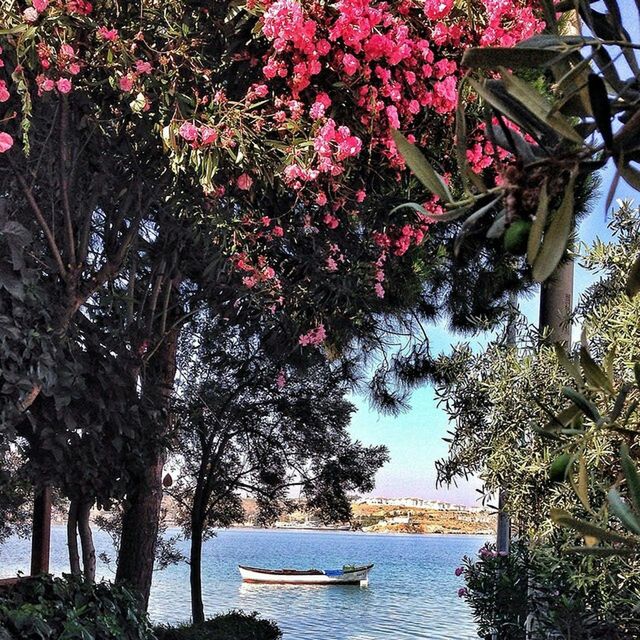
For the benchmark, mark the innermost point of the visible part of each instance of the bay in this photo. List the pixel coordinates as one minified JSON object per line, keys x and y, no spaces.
{"x":412,"y":591}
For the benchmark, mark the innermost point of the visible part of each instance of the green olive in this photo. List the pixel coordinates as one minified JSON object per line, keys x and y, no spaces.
{"x":516,"y":237}
{"x":558,"y":468}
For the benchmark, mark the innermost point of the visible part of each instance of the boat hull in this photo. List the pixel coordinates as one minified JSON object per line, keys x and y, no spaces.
{"x":357,"y":576}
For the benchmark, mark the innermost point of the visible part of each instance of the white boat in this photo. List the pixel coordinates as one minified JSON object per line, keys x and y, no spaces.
{"x":346,"y":575}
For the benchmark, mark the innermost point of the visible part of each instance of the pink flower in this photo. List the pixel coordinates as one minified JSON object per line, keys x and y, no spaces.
{"x":462,"y":592}
{"x":249,"y":281}
{"x":208,"y":135}
{"x":278,"y":232}
{"x":459,"y":571}
{"x":45,"y":84}
{"x":281,"y":380}
{"x":321,"y":199}
{"x":30,"y":14}
{"x":6,"y":142}
{"x":74,"y":68}
{"x":188,"y":131}
{"x":64,"y":85}
{"x":126,"y":83}
{"x":350,"y":64}
{"x":4,"y":93}
{"x":437,"y":9}
{"x":107,"y":34}
{"x":379,"y":289}
{"x":313,"y":337}
{"x":142,"y":66}
{"x":40,"y":5}
{"x":244,"y":182}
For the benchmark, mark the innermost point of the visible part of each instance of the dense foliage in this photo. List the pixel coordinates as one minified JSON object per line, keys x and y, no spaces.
{"x":547,"y":428}
{"x":234,"y":625}
{"x":48,"y":608}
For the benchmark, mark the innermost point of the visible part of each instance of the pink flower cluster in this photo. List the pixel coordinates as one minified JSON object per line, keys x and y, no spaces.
{"x":6,"y":140}
{"x":313,"y":337}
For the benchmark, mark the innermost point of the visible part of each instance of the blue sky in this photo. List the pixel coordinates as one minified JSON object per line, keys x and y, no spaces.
{"x":414,"y":438}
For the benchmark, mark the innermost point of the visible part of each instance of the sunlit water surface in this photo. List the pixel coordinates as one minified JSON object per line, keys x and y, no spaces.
{"x":412,"y":591}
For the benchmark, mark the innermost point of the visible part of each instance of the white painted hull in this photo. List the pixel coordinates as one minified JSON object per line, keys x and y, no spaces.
{"x":284,"y":576}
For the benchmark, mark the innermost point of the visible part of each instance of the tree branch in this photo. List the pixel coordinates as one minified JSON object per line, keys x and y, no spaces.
{"x":28,"y":193}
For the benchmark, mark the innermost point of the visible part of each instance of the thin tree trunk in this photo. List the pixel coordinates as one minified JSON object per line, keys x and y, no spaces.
{"x":72,"y":538}
{"x":41,"y":531}
{"x":86,"y":541}
{"x":142,"y":509}
{"x":195,"y":570}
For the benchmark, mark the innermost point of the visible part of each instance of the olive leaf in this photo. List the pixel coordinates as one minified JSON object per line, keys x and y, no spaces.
{"x":631,"y":476}
{"x":585,"y":405}
{"x":537,"y":227}
{"x":622,"y":511}
{"x":633,"y":281}
{"x":593,"y":373}
{"x":557,"y":236}
{"x":565,"y":519}
{"x":539,"y":106}
{"x":421,"y":167}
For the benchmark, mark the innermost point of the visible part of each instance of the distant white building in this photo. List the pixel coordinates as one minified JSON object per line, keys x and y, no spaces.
{"x":437,"y":505}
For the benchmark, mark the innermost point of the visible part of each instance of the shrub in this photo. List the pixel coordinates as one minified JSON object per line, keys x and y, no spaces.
{"x":235,"y":625}
{"x":48,"y":608}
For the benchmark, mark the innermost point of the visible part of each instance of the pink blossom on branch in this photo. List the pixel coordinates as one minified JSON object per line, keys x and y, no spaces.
{"x":6,"y":142}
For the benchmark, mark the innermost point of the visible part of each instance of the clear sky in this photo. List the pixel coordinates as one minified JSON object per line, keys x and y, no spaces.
{"x":414,"y":438}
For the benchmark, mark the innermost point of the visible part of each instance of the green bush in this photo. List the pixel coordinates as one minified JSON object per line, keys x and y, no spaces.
{"x":69,"y":608}
{"x":234,"y":625}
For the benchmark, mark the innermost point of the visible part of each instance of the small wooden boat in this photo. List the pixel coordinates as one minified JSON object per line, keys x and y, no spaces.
{"x":346,"y":575}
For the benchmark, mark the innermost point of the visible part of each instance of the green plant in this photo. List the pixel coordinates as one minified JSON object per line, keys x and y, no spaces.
{"x":234,"y":625}
{"x":497,"y":591}
{"x":70,"y":608}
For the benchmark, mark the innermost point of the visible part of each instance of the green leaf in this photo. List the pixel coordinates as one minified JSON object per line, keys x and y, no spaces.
{"x":421,"y":167}
{"x":528,"y":95}
{"x":537,"y":227}
{"x":511,"y":57}
{"x":604,"y":552}
{"x":557,"y":236}
{"x":601,"y":108}
{"x":585,"y":405}
{"x":593,"y":373}
{"x":568,"y":364}
{"x":622,"y":511}
{"x":633,"y":281}
{"x":631,"y":476}
{"x":565,"y":519}
{"x":564,"y":418}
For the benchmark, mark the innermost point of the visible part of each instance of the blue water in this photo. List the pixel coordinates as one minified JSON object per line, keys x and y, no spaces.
{"x":412,"y":591}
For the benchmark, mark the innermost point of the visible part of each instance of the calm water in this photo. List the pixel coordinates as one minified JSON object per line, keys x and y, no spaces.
{"x":412,"y":591}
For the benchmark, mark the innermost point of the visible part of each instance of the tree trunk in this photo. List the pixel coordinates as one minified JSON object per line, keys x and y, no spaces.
{"x":142,"y":508}
{"x":72,"y":538}
{"x":195,"y":571}
{"x":41,"y":531}
{"x":86,"y":541}
{"x":556,"y":305}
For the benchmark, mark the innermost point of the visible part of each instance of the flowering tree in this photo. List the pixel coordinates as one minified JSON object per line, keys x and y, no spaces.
{"x":265,"y":128}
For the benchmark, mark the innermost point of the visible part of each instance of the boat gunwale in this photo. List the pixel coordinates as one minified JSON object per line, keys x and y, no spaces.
{"x":302,"y":572}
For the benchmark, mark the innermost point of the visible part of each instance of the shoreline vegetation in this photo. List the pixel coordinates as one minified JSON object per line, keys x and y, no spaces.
{"x":375,"y":516}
